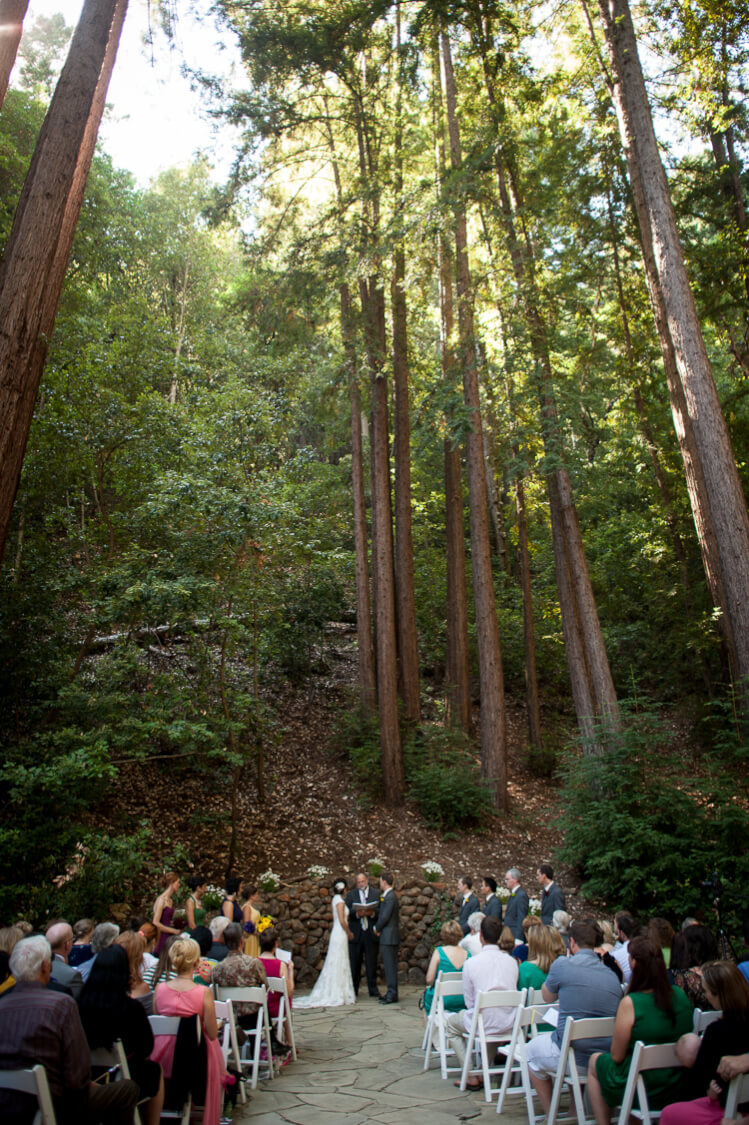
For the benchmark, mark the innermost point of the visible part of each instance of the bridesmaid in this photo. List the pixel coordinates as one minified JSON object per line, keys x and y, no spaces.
{"x":194,"y":904}
{"x":163,"y":909}
{"x":251,"y":914}
{"x":230,"y":908}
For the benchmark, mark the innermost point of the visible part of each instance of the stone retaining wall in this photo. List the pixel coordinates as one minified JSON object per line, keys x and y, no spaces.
{"x":303,"y":916}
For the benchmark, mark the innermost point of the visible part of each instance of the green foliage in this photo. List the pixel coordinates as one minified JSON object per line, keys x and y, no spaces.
{"x":358,"y":734}
{"x":644,"y":832}
{"x":444,"y":911}
{"x":444,"y":780}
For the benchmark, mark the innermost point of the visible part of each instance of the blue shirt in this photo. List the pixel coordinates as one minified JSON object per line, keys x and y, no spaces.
{"x":585,"y":988}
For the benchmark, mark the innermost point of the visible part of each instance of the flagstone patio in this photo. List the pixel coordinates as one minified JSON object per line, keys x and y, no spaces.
{"x":364,"y":1063}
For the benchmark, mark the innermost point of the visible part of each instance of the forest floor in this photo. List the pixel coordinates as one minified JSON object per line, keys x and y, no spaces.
{"x":313,"y":813}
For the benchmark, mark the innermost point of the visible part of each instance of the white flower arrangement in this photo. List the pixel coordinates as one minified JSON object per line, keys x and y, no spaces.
{"x":503,"y":894}
{"x":432,"y":871}
{"x":376,"y":867}
{"x":317,"y":871}
{"x":213,"y":897}
{"x":534,"y":907}
{"x":269,"y":881}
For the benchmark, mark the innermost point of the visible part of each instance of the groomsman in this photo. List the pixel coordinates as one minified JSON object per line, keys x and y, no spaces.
{"x":517,"y":905}
{"x":386,"y":929}
{"x":363,"y":943}
{"x":552,"y":896}
{"x":492,"y":907}
{"x":469,"y":904}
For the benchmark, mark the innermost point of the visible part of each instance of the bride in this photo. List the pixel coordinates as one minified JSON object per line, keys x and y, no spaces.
{"x":334,"y":986}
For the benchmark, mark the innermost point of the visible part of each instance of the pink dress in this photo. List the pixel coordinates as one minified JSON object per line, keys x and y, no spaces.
{"x":170,"y":1002}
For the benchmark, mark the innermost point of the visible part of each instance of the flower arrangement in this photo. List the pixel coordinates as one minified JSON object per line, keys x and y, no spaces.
{"x":534,"y":907}
{"x":503,"y":894}
{"x":212,"y":898}
{"x":433,"y":871}
{"x":269,"y":882}
{"x":264,"y":922}
{"x":317,"y":871}
{"x":376,"y":867}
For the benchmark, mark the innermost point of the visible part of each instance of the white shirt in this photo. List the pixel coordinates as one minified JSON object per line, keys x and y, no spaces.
{"x":491,"y":971}
{"x":620,"y":953}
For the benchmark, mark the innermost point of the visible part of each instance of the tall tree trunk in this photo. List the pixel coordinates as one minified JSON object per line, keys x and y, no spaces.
{"x":367,"y":688}
{"x":493,"y":726}
{"x":12,"y":13}
{"x":404,"y":558}
{"x":590,"y":675}
{"x":33,"y":267}
{"x":721,"y":505}
{"x":458,"y":702}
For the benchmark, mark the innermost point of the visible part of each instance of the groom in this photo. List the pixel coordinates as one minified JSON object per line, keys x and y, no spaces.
{"x":386,"y":929}
{"x":363,"y":943}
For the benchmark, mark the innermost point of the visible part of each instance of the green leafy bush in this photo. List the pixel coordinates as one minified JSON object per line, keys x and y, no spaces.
{"x":644,"y":833}
{"x":444,"y":780}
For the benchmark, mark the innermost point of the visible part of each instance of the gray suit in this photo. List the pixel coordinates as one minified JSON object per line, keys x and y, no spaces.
{"x":492,"y":908}
{"x":515,"y":911}
{"x":552,"y":898}
{"x":389,"y":932}
{"x":63,"y":973}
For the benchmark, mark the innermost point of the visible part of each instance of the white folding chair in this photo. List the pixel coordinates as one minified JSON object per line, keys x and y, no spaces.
{"x":594,"y":1027}
{"x":229,"y":1041}
{"x":256,"y":1035}
{"x":169,"y":1025}
{"x":701,"y":1019}
{"x":115,"y":1056}
{"x":284,"y":1022}
{"x":426,"y":1041}
{"x":32,"y":1081}
{"x":658,"y":1056}
{"x":446,"y":988}
{"x":516,"y":1062}
{"x":481,"y":1038}
{"x":738,"y":1093}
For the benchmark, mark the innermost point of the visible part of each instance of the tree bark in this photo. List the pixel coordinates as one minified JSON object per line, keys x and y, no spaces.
{"x":493,"y":725}
{"x":408,"y":650}
{"x":718,"y":502}
{"x":12,"y":13}
{"x":33,"y":267}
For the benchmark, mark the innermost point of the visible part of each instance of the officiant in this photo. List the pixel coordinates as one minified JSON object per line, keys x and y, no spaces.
{"x":362,"y":902}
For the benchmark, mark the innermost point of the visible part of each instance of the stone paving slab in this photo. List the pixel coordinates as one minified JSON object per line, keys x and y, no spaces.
{"x":360,"y":1064}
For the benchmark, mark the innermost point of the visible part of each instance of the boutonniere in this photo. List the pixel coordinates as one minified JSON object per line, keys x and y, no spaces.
{"x":382,"y":898}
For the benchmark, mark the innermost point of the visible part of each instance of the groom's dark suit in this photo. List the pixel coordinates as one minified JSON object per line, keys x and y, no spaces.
{"x":389,"y":934}
{"x":363,"y":945}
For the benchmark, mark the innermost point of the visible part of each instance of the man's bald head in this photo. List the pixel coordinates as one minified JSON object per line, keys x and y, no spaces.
{"x":60,"y":937}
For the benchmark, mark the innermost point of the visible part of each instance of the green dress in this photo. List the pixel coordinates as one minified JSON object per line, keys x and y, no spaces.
{"x":452,"y":1003}
{"x":652,"y":1025}
{"x":532,"y":976}
{"x":198,"y":911}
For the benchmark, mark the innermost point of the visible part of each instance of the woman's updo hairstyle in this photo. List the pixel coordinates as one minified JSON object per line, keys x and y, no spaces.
{"x":231,"y":886}
{"x":339,"y":886}
{"x":268,"y":939}
{"x":168,"y":878}
{"x":184,"y":954}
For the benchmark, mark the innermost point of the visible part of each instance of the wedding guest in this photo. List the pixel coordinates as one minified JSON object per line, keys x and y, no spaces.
{"x":104,"y":935}
{"x":472,"y":941}
{"x":552,"y":896}
{"x":517,"y":904}
{"x":535,"y":969}
{"x":134,"y":945}
{"x":163,"y":909}
{"x":218,"y":950}
{"x":662,"y":933}
{"x":275,"y":967}
{"x":237,"y":970}
{"x":507,"y":940}
{"x":467,"y":901}
{"x":9,"y":939}
{"x":691,"y":949}
{"x":163,"y":969}
{"x":206,"y":964}
{"x":82,"y":934}
{"x":491,"y":907}
{"x":561,"y":921}
{"x":448,"y":957}
{"x":520,"y":951}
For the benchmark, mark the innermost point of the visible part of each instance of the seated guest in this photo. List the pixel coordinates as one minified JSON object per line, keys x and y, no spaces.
{"x":654,"y":1011}
{"x":691,"y":949}
{"x":237,"y":970}
{"x":218,"y":949}
{"x":557,"y":942}
{"x":607,"y":931}
{"x":521,"y":950}
{"x":561,"y":921}
{"x":150,"y":936}
{"x":626,"y":929}
{"x":507,"y":940}
{"x":490,"y":970}
{"x":535,"y":969}
{"x":275,"y":967}
{"x":163,"y":969}
{"x":727,"y":991}
{"x":133,"y":944}
{"x":471,"y":943}
{"x":81,"y":951}
{"x":60,"y":937}
{"x":448,"y":957}
{"x":41,"y":1026}
{"x":206,"y":964}
{"x":662,"y":933}
{"x":583,"y":987}
{"x":108,"y":1011}
{"x":9,"y":939}
{"x":104,"y":935}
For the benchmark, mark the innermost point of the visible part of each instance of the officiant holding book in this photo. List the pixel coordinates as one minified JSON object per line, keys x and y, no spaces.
{"x":363,"y":902}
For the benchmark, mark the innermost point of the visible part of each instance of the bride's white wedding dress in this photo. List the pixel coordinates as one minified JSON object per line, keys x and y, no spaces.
{"x":334,"y":986}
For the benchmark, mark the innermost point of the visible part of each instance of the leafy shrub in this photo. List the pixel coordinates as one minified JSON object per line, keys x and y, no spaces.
{"x":444,"y":780}
{"x":359,"y":735}
{"x":644,"y":837}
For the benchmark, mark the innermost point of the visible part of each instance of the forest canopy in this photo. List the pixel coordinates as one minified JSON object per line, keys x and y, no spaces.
{"x":418,"y":364}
